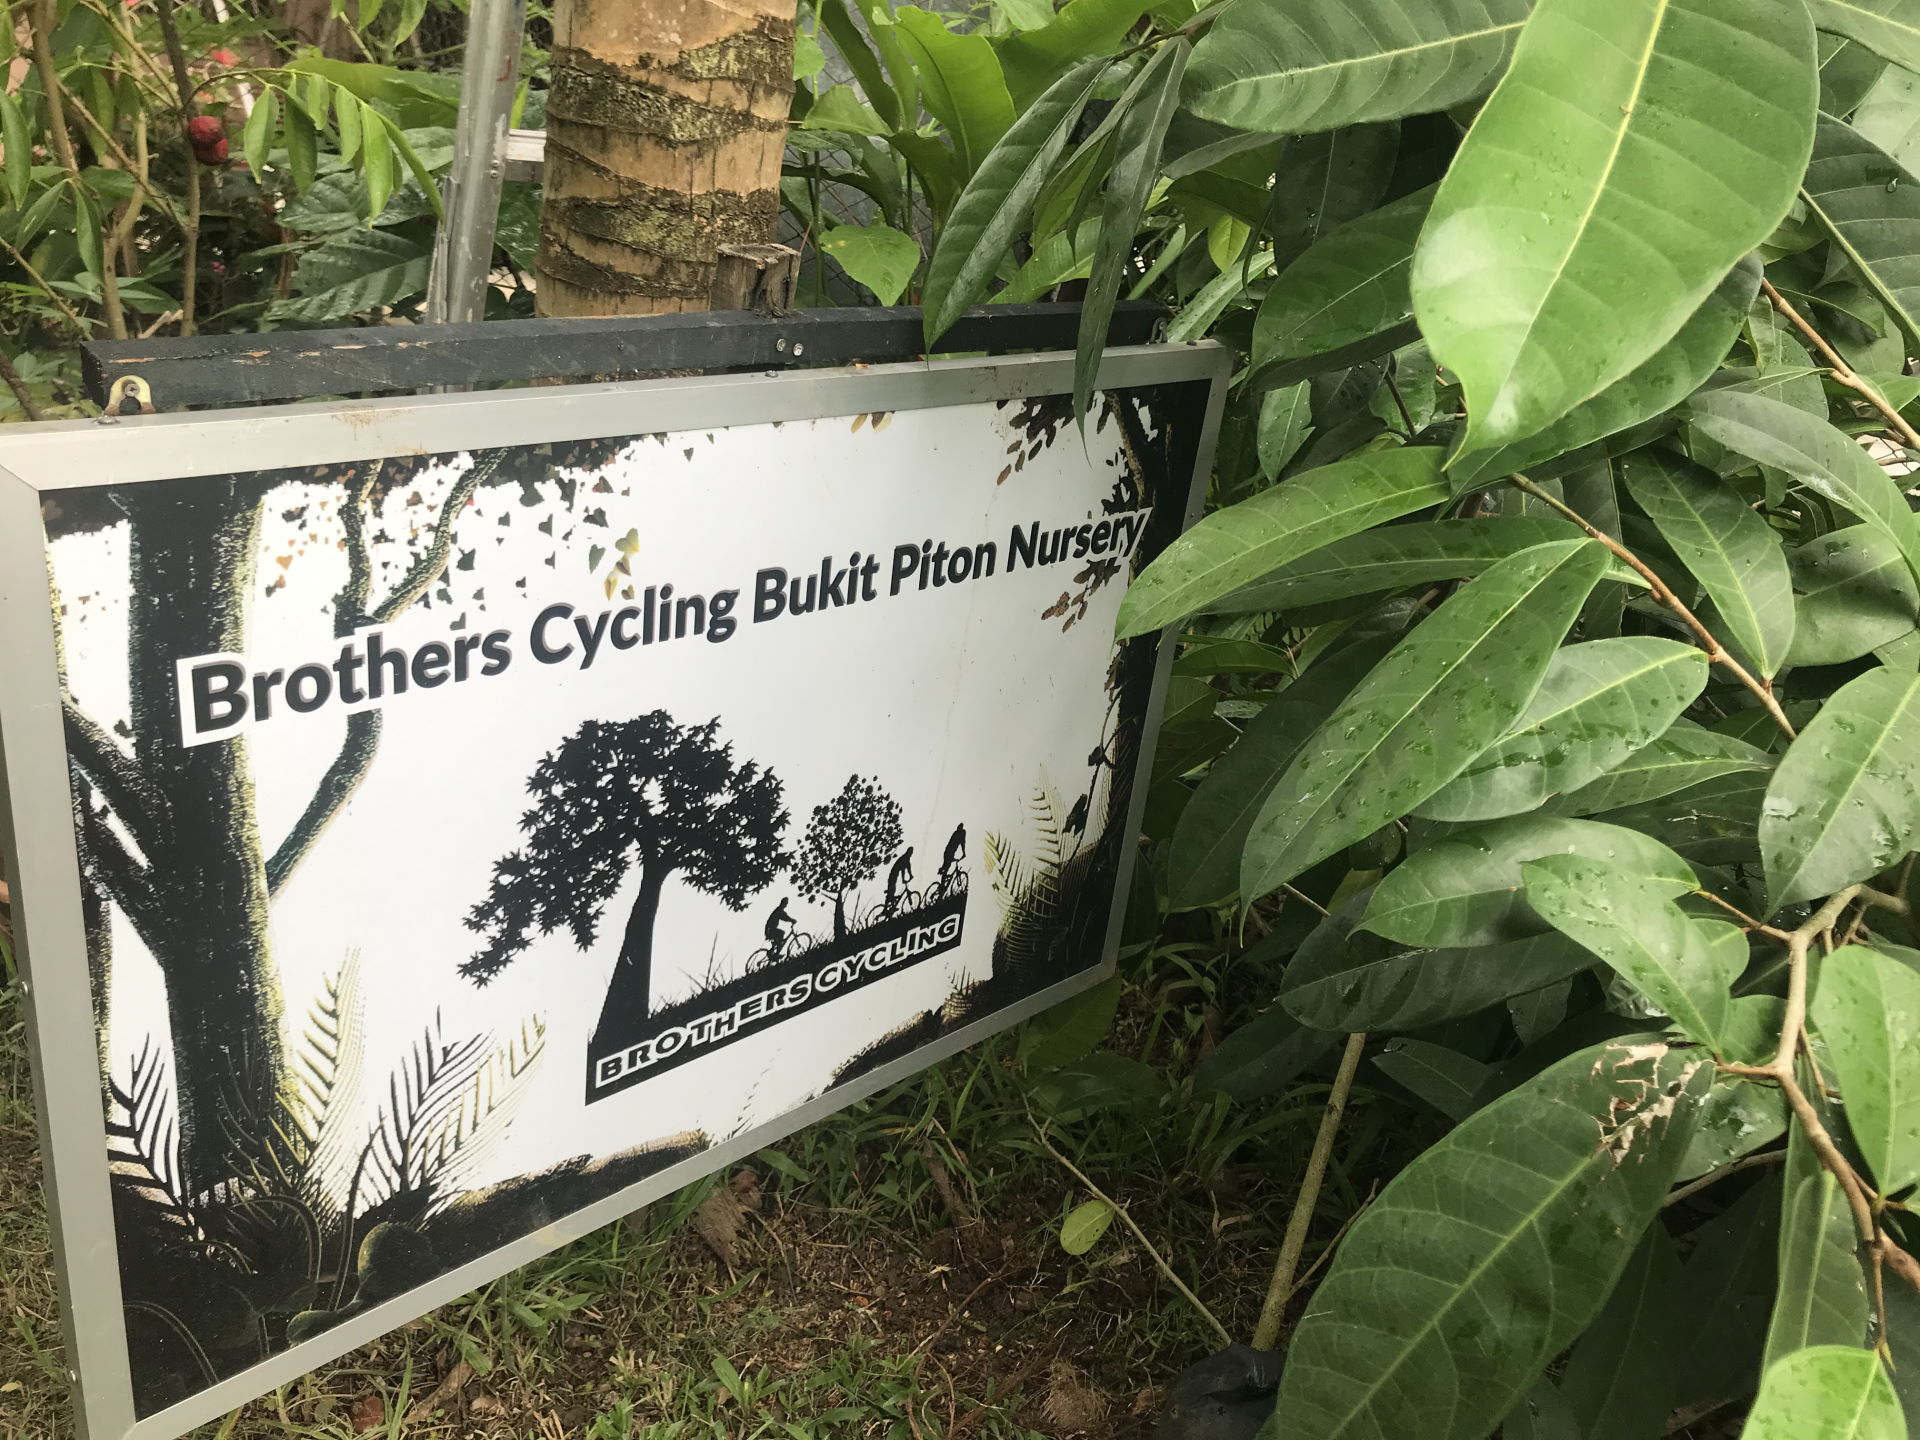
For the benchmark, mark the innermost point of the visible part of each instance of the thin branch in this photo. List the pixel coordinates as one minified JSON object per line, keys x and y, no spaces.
{"x":40,"y":284}
{"x":1281,"y":1286}
{"x":343,"y":777}
{"x":135,"y":800}
{"x":434,"y":559}
{"x":18,"y":387}
{"x":1714,"y":1177}
{"x":1160,"y":1260}
{"x":1716,"y":652}
{"x":1838,"y":368}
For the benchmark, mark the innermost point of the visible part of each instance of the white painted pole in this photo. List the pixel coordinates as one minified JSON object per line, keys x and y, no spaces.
{"x":489,"y":77}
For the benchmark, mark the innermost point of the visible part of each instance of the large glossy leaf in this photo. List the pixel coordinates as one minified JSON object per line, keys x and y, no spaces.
{"x":1686,"y":755}
{"x":1465,"y":889}
{"x":961,"y":80}
{"x":1812,"y":452}
{"x":1350,"y":285}
{"x":1872,"y":209}
{"x":1827,"y":1392}
{"x":1285,"y":417}
{"x":1367,"y":983}
{"x":1685,"y":966}
{"x":1710,"y":823}
{"x":356,"y":272}
{"x":1890,"y":116}
{"x":1446,"y":692}
{"x":1245,"y":541}
{"x":1452,"y":1083}
{"x":1325,"y":180}
{"x":1485,"y":1256}
{"x":1033,"y":58}
{"x":1300,"y":65}
{"x":1203,"y":863}
{"x":1822,"y":1296}
{"x":1634,"y":152}
{"x":1392,"y":557}
{"x":1844,"y":802}
{"x":1727,"y":546}
{"x":1264,"y":1054}
{"x":1599,"y":703}
{"x":1731,"y":1275}
{"x":1856,"y":594}
{"x":1886,"y":27}
{"x":1670,"y":375}
{"x":1136,"y":164}
{"x":999,"y":199}
{"x":1868,"y":1010}
{"x":1623,"y":1375}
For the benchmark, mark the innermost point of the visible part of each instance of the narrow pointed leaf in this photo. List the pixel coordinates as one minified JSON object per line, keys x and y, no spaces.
{"x":1245,"y":541}
{"x":1844,"y":803}
{"x":961,"y":80}
{"x":1856,"y":594}
{"x":1686,"y":755}
{"x":1827,"y":1392}
{"x":256,"y":136}
{"x":1822,"y":1296}
{"x":1889,"y":28}
{"x":1635,"y":150}
{"x":1351,"y":284}
{"x":1867,"y":1009}
{"x":998,"y":200}
{"x":18,"y":143}
{"x":1300,"y":66}
{"x":1445,"y":693}
{"x":1599,"y":703}
{"x":1871,"y":207}
{"x":1730,"y":549}
{"x":1668,"y":376}
{"x":1812,"y":452}
{"x":1490,"y":1252}
{"x":1393,"y":557}
{"x":1685,"y":966}
{"x":1136,"y":164}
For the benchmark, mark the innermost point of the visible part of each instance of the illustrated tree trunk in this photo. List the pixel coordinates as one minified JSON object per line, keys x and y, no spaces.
{"x":665,"y":128}
{"x":630,"y":991}
{"x":839,"y":914}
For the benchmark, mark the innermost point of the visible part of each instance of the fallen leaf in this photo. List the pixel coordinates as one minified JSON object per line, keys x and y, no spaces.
{"x":367,"y":1413}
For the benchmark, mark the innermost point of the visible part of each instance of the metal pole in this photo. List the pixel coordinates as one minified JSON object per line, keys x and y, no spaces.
{"x":489,"y":76}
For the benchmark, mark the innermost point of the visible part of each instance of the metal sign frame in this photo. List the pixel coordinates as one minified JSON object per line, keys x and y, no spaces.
{"x":37,"y":826}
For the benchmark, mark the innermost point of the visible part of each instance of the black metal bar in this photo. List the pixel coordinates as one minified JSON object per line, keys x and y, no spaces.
{"x":206,"y":370}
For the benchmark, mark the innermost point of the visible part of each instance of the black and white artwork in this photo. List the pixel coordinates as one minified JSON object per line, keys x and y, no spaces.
{"x":467,"y":836}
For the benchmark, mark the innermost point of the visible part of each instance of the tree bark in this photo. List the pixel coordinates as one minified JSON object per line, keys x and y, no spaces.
{"x":665,"y":128}
{"x":630,"y":991}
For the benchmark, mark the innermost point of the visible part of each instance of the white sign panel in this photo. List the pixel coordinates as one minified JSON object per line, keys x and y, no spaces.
{"x":444,"y":824}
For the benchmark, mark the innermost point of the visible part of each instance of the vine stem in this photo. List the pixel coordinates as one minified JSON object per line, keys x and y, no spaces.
{"x":1280,"y":1287}
{"x":1717,"y":653}
{"x":1837,"y":367}
{"x":1166,"y":1269}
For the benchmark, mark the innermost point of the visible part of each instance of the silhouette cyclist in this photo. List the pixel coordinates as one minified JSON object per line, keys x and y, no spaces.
{"x":898,"y":878}
{"x":780,"y":928}
{"x":956,"y":852}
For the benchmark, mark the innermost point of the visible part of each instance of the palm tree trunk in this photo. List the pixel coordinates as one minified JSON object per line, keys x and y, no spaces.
{"x":665,"y":128}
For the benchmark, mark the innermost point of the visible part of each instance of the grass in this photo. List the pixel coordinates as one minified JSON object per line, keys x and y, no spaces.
{"x":891,"y":1272}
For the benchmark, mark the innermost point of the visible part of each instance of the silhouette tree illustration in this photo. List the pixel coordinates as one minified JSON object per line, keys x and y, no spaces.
{"x":647,"y":792}
{"x":847,"y":840}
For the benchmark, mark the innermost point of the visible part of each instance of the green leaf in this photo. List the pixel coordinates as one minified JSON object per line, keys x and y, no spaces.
{"x":1490,"y":1252}
{"x":1812,"y":452}
{"x":1889,"y":28}
{"x":877,"y":256}
{"x":1686,"y":755}
{"x":353,"y":273}
{"x":1263,"y":1055}
{"x":376,"y":160}
{"x":1325,"y":180}
{"x":1368,"y":984}
{"x":1822,"y":1296}
{"x":1464,"y":889}
{"x":1867,"y":1009}
{"x":303,"y":147}
{"x":1623,"y":1375}
{"x":1242,"y":542}
{"x":1351,"y":284}
{"x":1136,"y":164}
{"x":1599,"y":703}
{"x":1826,"y":1392}
{"x":1634,"y":152}
{"x":19,"y":147}
{"x":961,"y":80}
{"x":1301,"y":65}
{"x":1450,"y":1082}
{"x":841,"y":109}
{"x":87,"y":233}
{"x":1446,"y":692}
{"x":256,"y":136}
{"x":1730,"y":549}
{"x":1674,"y":372}
{"x":1203,"y":864}
{"x":852,"y":46}
{"x":1844,"y":803}
{"x":1890,"y":116}
{"x":346,"y":120}
{"x":1871,"y":207}
{"x":1856,"y":595}
{"x":416,"y":166}
{"x":1391,"y":558}
{"x":1685,"y":966}
{"x":998,"y":201}
{"x":1084,"y":1226}
{"x":1073,"y":1029}
{"x":1081,"y":28}
{"x":1285,"y":417}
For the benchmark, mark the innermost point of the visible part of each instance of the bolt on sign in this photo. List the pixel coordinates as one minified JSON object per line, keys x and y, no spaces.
{"x":441,"y":825}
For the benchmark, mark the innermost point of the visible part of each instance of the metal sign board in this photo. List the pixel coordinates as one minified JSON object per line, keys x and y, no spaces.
{"x":441,"y":825}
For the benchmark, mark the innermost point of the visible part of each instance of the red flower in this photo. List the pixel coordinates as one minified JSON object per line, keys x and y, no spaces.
{"x":209,"y":140}
{"x":224,"y":57}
